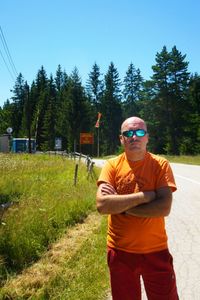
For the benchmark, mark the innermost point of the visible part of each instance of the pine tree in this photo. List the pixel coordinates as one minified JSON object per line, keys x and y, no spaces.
{"x":25,"y":130}
{"x":59,"y":79}
{"x":170,"y":83}
{"x":41,"y":94}
{"x":61,"y":87}
{"x":77,"y":115}
{"x":133,"y":83}
{"x":191,"y":134}
{"x":48,"y":130}
{"x":179,"y":79}
{"x":94,"y":86}
{"x":6,"y":113}
{"x":111,"y":111}
{"x":61,"y":122}
{"x":18,"y":104}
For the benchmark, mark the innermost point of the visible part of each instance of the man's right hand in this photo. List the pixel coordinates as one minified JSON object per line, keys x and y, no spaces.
{"x":107,"y":189}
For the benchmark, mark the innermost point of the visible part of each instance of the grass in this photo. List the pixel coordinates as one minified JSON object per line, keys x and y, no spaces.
{"x":86,"y":275}
{"x":45,"y":204}
{"x":52,"y":243}
{"x":184,"y":159}
{"x":74,"y":268}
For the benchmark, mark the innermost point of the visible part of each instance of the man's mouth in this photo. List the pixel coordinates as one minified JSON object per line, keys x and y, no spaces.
{"x":133,"y":142}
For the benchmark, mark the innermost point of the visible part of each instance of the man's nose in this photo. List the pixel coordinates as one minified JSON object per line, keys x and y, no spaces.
{"x":134,"y":136}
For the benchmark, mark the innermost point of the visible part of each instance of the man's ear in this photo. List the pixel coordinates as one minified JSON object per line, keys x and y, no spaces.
{"x":147,"y":138}
{"x":121,"y":139}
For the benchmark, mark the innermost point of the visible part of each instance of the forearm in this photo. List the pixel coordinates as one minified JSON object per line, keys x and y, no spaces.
{"x":159,"y":207}
{"x":115,"y":204}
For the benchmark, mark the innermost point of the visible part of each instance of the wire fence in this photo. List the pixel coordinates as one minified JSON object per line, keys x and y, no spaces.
{"x":76,"y":156}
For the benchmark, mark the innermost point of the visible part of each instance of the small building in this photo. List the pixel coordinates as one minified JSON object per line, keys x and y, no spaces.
{"x":5,"y":143}
{"x":21,"y":145}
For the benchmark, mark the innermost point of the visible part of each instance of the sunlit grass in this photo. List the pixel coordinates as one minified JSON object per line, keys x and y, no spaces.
{"x":85,"y":275}
{"x":74,"y":268}
{"x":45,"y":203}
{"x":184,"y":159}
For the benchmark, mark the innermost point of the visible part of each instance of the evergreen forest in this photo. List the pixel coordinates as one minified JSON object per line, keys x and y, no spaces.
{"x":60,"y":106}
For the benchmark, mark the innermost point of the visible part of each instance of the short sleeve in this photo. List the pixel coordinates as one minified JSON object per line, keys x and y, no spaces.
{"x":165,"y":176}
{"x":107,"y":174}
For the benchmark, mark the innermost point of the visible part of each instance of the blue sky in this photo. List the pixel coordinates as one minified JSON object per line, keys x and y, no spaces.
{"x":81,"y":32}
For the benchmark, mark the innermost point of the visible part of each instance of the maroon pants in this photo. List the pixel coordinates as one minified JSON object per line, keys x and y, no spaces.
{"x":155,"y":268}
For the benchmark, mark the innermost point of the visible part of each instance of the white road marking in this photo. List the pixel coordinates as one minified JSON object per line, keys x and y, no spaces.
{"x":188,"y":179}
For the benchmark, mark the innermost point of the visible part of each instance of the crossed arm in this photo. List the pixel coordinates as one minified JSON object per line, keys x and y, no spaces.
{"x":142,"y":204}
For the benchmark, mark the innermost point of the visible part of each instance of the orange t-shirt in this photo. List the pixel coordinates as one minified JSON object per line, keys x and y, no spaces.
{"x":130,"y":233}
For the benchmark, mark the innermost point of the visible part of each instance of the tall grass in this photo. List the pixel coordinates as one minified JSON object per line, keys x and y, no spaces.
{"x":184,"y":159}
{"x":86,"y":274}
{"x":74,"y":268}
{"x":45,"y":203}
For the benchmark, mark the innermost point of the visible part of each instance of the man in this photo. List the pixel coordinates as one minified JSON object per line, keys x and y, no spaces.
{"x":135,"y":190}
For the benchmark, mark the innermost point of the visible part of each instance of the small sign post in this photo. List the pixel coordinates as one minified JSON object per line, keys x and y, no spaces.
{"x":58,"y":143}
{"x":9,"y":130}
{"x":86,"y":138}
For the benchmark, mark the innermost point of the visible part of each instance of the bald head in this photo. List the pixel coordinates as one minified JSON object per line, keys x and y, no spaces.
{"x":135,"y":122}
{"x":134,"y":146}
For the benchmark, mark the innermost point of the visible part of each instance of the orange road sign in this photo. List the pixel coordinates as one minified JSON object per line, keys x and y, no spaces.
{"x":86,"y":138}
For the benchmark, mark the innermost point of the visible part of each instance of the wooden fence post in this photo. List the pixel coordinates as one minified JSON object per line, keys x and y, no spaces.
{"x":75,"y":174}
{"x":90,"y":169}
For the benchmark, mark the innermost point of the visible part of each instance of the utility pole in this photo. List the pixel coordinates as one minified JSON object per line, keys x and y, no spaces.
{"x":28,"y":118}
{"x":98,"y":142}
{"x":97,"y":125}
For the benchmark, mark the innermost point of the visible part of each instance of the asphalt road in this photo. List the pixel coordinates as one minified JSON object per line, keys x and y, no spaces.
{"x":183,"y":228}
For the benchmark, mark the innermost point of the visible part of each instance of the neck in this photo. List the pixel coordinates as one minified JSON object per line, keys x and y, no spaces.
{"x":135,"y":156}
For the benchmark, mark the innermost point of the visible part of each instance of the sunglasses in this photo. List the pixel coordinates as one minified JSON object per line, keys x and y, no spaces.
{"x":131,"y":133}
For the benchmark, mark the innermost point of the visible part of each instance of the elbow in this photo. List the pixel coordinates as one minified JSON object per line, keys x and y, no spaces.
{"x":168,"y":206}
{"x":100,"y":207}
{"x":165,"y":205}
{"x":166,"y":211}
{"x":100,"y":211}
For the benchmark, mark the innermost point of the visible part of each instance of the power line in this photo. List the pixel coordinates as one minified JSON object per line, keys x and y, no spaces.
{"x":7,"y":66}
{"x":10,"y":60}
{"x":8,"y":52}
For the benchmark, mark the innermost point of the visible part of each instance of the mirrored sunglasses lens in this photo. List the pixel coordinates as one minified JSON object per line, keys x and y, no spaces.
{"x":128,"y":133}
{"x":140,"y":132}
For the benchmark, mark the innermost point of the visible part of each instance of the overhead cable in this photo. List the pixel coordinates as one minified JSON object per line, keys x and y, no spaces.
{"x":7,"y":66}
{"x":9,"y":58}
